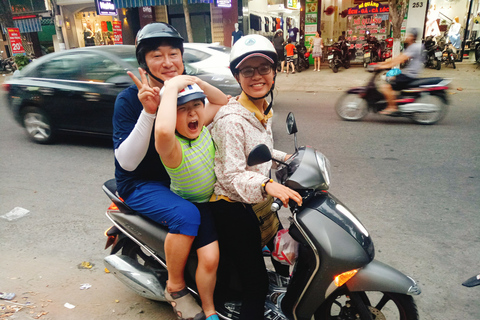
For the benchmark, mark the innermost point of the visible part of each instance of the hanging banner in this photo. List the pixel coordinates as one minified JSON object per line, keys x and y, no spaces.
{"x":15,"y":41}
{"x":117,"y":32}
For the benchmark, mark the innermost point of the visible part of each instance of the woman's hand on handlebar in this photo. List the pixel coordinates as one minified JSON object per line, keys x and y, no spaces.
{"x":282,"y":193}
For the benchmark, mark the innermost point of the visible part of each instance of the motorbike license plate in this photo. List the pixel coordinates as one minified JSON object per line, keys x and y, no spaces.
{"x":366,"y":55}
{"x":438,"y":54}
{"x":330,"y":57}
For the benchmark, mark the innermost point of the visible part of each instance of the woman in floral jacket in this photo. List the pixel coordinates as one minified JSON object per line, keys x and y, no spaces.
{"x":238,"y":127}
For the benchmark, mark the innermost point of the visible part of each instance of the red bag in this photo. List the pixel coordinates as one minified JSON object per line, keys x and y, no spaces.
{"x":286,"y":249}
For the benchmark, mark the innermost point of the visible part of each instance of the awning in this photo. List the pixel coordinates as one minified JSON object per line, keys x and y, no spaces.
{"x":28,"y":25}
{"x":151,"y":3}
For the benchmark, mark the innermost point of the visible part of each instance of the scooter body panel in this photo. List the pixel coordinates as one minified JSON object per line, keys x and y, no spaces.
{"x":332,"y":244}
{"x":377,"y":276}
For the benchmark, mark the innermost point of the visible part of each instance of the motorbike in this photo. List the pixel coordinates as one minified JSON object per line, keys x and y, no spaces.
{"x":433,"y":53}
{"x":335,"y":275}
{"x":448,"y":53}
{"x":339,"y":55}
{"x":301,"y":60}
{"x":372,"y":51}
{"x":472,"y":282}
{"x":8,"y":64}
{"x":477,"y":50}
{"x":425,"y":101}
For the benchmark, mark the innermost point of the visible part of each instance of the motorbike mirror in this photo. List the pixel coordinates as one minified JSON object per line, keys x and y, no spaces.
{"x":291,"y":124}
{"x":259,"y":154}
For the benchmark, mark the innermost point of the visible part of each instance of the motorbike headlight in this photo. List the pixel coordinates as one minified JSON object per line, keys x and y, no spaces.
{"x":324,"y":166}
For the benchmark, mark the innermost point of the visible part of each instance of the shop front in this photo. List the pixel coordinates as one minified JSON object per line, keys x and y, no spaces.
{"x":456,"y":21}
{"x":266,"y":17}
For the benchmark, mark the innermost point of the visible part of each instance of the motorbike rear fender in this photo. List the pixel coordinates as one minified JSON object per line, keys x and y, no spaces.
{"x":377,"y":276}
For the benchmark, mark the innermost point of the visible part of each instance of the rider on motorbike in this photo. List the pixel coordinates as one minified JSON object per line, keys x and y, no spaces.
{"x":141,"y":179}
{"x":410,"y":73}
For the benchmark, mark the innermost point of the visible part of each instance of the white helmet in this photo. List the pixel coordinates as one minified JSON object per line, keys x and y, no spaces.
{"x":251,"y":46}
{"x":189,"y":93}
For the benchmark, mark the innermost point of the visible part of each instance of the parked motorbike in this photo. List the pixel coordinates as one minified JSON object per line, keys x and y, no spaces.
{"x":301,"y":61}
{"x":371,"y":51}
{"x":472,"y":282}
{"x":477,"y":50}
{"x":433,"y":53}
{"x":425,"y":101}
{"x":8,"y":64}
{"x":335,"y":275}
{"x":449,"y":57}
{"x":339,"y":55}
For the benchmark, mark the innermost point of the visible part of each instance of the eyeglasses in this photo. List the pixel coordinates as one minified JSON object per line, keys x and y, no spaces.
{"x":248,"y":72}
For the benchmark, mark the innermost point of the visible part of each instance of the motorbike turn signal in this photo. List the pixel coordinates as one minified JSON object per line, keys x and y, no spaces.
{"x":344,"y":277}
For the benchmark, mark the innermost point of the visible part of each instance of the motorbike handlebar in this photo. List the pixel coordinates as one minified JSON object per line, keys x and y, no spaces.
{"x":276,"y":205}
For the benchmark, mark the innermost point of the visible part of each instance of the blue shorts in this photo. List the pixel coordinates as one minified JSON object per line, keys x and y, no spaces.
{"x":155,"y":200}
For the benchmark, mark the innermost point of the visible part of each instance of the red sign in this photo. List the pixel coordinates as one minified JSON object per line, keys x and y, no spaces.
{"x":15,"y":40}
{"x":117,"y":32}
{"x":369,"y":7}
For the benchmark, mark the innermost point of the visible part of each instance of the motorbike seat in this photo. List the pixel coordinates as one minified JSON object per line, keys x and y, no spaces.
{"x":425,"y":81}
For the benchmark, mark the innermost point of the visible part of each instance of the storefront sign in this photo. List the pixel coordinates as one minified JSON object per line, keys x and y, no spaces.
{"x":105,"y":8}
{"x":224,"y":3}
{"x":292,"y":4}
{"x":369,"y":7}
{"x":15,"y":40}
{"x":117,"y":32}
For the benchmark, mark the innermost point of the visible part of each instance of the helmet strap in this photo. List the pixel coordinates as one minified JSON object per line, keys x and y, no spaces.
{"x":266,"y":95}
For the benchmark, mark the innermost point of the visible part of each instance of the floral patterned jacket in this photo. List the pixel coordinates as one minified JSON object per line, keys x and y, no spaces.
{"x":236,"y":130}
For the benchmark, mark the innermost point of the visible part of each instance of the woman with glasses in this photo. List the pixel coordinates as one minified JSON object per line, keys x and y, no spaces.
{"x":238,"y":127}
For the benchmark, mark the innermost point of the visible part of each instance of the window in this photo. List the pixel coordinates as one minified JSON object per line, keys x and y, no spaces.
{"x":192,"y":55}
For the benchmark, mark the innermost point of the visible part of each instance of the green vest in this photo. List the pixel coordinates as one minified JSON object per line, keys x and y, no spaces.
{"x":194,"y":178}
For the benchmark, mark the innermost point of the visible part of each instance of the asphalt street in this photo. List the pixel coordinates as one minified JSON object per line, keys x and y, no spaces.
{"x":414,"y":187}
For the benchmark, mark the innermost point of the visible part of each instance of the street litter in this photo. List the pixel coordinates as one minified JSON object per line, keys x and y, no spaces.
{"x":7,"y":295}
{"x":68,"y":305}
{"x":85,"y":286}
{"x":85,"y":265}
{"x":15,"y":213}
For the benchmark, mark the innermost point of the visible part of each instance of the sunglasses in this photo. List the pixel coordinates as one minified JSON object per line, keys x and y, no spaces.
{"x":248,"y":72}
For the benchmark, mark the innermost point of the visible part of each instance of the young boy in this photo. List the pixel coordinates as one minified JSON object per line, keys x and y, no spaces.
{"x":187,"y":152}
{"x":290,"y":48}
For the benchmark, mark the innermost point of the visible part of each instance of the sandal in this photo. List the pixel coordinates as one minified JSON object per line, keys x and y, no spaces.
{"x":388,"y":112}
{"x":184,"y":305}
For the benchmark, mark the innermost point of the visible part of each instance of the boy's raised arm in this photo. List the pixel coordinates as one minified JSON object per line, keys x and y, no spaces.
{"x":166,"y":144}
{"x":216,"y":99}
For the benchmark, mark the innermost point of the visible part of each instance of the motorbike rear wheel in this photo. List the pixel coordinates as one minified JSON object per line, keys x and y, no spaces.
{"x":378,"y":306}
{"x":351,"y":107}
{"x":435,"y":116}
{"x":439,"y":64}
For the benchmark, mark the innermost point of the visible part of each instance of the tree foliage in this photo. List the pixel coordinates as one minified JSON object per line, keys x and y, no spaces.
{"x":398,"y":9}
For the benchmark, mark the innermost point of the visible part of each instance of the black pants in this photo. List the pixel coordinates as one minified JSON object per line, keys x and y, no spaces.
{"x":240,"y":246}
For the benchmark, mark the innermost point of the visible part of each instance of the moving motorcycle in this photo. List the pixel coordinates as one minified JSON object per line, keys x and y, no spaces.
{"x":433,"y":53}
{"x":425,"y":101}
{"x":339,"y":55}
{"x":335,"y":275}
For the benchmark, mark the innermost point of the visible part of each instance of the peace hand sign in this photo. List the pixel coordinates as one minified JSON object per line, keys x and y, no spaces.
{"x":148,"y":96}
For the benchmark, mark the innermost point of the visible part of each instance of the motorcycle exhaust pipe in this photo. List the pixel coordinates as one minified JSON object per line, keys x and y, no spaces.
{"x":143,"y":281}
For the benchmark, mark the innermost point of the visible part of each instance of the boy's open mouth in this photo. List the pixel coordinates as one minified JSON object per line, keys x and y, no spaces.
{"x":193,"y":125}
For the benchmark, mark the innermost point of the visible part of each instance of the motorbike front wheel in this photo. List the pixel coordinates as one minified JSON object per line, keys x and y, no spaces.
{"x":351,"y":107}
{"x":345,"y":305}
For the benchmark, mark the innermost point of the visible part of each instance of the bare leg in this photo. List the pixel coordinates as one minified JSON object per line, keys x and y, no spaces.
{"x":390,"y":97}
{"x":206,"y":275}
{"x":293,"y":67}
{"x":177,"y":248}
{"x":283,"y":65}
{"x":288,"y":66}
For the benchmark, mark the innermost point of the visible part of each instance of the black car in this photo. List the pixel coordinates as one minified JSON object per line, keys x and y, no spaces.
{"x":75,"y":90}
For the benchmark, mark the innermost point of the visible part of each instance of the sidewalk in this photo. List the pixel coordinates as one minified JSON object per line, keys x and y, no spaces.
{"x":465,"y":77}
